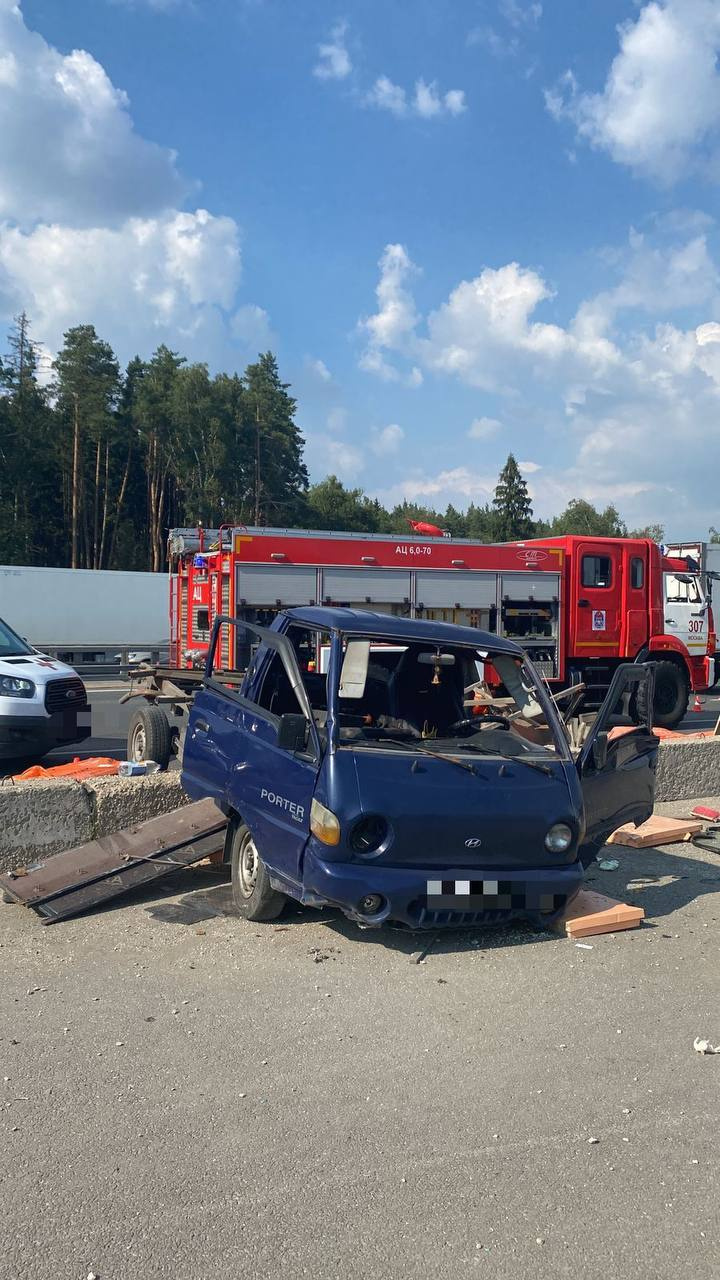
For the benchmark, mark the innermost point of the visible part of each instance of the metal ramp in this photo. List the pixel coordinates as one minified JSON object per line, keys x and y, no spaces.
{"x":79,"y":879}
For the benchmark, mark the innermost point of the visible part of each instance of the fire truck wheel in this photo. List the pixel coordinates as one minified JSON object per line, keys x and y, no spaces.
{"x":672,"y":690}
{"x":150,"y":737}
{"x":253,"y":896}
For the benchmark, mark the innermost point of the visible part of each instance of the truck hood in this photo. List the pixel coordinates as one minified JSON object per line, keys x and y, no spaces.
{"x":36,"y":667}
{"x":497,"y":816}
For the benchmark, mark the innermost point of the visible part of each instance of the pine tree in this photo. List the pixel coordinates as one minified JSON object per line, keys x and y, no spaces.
{"x":30,"y":490}
{"x":513,"y":511}
{"x":87,"y":387}
{"x":280,"y":476}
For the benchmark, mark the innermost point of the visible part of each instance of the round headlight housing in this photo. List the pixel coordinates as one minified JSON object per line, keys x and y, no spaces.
{"x":369,"y":834}
{"x":559,"y":838}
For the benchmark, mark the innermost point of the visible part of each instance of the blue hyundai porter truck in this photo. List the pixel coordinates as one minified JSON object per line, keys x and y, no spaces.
{"x":409,"y":770}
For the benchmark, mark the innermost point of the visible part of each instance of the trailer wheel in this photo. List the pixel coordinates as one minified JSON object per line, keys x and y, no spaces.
{"x":253,"y":896}
{"x":150,"y":737}
{"x":672,"y":690}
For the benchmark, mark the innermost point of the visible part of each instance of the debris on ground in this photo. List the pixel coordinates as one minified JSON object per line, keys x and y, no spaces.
{"x":708,"y":839}
{"x":93,"y":767}
{"x":608,"y":864}
{"x":590,"y":913}
{"x":703,"y":811}
{"x":656,"y":830}
{"x":704,"y":1046}
{"x":81,"y":878}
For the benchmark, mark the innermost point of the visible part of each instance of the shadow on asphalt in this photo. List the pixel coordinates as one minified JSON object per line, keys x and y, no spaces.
{"x":660,"y":881}
{"x":203,"y":904}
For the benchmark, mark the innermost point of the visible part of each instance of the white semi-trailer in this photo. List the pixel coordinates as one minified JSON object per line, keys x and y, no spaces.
{"x":87,"y":615}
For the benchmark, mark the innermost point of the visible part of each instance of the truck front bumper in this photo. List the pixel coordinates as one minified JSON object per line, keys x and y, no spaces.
{"x":434,"y":898}
{"x":23,"y":735}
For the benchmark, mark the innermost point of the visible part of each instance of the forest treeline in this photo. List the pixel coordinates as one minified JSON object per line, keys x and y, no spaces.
{"x":97,"y":462}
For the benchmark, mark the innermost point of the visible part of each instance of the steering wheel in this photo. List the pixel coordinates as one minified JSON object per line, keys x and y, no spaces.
{"x":495,"y":716}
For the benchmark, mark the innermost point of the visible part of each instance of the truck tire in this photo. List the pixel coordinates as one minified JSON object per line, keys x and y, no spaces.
{"x":253,"y":896}
{"x":150,"y":737}
{"x":672,"y":690}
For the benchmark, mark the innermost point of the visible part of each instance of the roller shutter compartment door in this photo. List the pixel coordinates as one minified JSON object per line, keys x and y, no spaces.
{"x":262,"y":585}
{"x":366,"y":586}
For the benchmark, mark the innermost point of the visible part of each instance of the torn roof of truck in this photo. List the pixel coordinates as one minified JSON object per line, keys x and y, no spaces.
{"x":363,"y":622}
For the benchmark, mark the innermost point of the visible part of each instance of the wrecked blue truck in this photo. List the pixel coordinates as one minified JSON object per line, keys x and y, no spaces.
{"x":411,"y":771}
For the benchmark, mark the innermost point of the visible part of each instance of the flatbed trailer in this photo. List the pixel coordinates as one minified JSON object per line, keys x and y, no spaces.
{"x":164,"y":695}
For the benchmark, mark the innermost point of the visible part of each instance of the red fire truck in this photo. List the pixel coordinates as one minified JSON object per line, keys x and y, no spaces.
{"x":579,"y":606}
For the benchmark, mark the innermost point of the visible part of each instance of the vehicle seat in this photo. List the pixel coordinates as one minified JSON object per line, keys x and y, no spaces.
{"x":422,"y":703}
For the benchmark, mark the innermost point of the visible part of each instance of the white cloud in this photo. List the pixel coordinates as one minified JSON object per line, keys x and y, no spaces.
{"x":393,"y":325}
{"x":659,"y":111}
{"x":90,"y":230}
{"x":427,"y":101}
{"x":320,"y":369}
{"x":68,"y":149}
{"x":147,"y":281}
{"x":624,"y":397}
{"x":333,"y":58}
{"x":484,"y":428}
{"x":453,"y":484}
{"x":387,"y":440}
{"x":521,"y":15}
{"x":388,"y":97}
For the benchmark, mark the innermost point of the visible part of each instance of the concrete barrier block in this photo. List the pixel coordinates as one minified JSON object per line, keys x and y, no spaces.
{"x":38,"y":819}
{"x":123,"y":802}
{"x":688,"y":769}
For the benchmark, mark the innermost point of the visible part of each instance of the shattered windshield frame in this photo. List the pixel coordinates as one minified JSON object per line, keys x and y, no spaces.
{"x":479,"y":717}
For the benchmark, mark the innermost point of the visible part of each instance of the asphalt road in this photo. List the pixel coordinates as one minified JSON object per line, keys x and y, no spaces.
{"x":186,"y":1096}
{"x":110,"y":722}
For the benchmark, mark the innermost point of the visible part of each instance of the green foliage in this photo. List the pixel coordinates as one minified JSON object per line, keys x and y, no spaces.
{"x":581,"y":517}
{"x":95,"y":469}
{"x":655,"y":532}
{"x":513,"y":512}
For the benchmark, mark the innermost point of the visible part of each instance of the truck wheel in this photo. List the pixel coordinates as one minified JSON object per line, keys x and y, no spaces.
{"x":672,"y":690}
{"x":150,"y":737}
{"x":253,"y":896}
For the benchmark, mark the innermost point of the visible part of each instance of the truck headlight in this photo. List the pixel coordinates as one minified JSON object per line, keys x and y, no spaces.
{"x":559,"y":838}
{"x":324,"y":824}
{"x":13,"y":687}
{"x":368,"y":835}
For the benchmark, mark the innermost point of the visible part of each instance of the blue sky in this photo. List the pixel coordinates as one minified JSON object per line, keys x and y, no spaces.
{"x":465,"y":228}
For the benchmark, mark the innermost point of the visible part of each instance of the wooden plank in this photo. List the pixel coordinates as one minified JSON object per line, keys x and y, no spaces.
{"x":657,"y":830}
{"x":590,"y":913}
{"x":157,"y":838}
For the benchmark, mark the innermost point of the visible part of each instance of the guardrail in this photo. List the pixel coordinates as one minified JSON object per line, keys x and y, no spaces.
{"x":119,"y":665}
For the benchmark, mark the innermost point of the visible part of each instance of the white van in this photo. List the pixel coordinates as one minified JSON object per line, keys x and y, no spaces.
{"x":43,"y":703}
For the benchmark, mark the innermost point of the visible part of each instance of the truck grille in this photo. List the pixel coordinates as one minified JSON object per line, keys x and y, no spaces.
{"x":449,"y":918}
{"x":65,"y":695}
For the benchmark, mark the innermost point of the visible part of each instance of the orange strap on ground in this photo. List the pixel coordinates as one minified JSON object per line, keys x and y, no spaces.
{"x":95,"y":767}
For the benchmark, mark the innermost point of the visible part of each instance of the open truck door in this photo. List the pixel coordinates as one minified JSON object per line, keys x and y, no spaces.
{"x":618,"y":759}
{"x":256,"y":751}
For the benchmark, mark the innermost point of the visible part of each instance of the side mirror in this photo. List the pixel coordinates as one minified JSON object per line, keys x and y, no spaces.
{"x":292,"y":732}
{"x":600,"y":751}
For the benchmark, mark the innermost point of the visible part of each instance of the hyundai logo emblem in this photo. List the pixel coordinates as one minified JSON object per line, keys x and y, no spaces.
{"x":70,"y":693}
{"x":473,"y":843}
